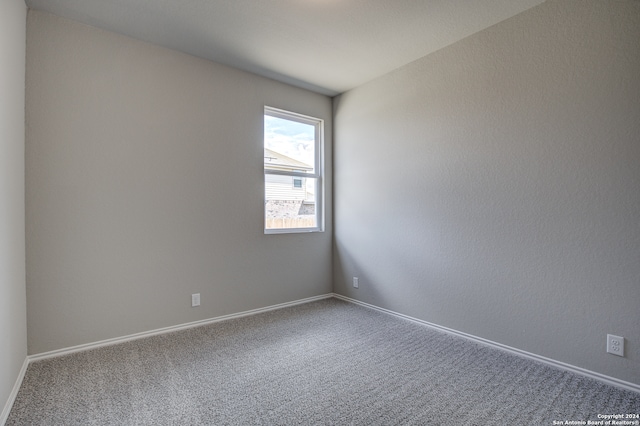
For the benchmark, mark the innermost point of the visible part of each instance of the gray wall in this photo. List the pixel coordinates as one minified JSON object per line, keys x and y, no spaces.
{"x":13,"y":325}
{"x":493,"y":187}
{"x":144,"y":184}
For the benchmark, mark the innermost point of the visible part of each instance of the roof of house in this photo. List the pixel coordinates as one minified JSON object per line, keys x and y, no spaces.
{"x":276,"y":160}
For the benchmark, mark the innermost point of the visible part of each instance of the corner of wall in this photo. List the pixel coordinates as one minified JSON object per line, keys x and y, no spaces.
{"x":13,"y":328}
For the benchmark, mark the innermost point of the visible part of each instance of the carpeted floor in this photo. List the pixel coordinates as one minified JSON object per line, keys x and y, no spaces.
{"x":327,"y":362}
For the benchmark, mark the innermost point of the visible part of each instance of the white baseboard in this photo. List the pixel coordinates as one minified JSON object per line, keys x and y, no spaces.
{"x":116,"y":340}
{"x":552,"y":362}
{"x":14,"y":392}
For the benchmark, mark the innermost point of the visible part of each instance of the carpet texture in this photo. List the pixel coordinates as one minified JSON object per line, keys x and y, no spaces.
{"x":327,"y":362}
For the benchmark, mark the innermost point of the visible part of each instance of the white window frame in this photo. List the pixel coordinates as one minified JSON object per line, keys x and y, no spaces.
{"x":317,"y":174}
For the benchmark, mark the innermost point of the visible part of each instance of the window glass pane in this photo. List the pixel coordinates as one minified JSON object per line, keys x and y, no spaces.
{"x":288,"y":145}
{"x":292,"y":172}
{"x":289,"y":207}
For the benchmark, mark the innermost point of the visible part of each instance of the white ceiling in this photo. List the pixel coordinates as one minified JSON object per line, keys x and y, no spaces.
{"x":328,"y":46}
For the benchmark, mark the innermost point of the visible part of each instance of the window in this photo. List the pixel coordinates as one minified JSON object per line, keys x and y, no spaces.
{"x":293,"y":189}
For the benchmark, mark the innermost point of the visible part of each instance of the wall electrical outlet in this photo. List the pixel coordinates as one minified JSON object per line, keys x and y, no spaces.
{"x":615,"y":345}
{"x":195,"y":300}
{"x":355,"y":282}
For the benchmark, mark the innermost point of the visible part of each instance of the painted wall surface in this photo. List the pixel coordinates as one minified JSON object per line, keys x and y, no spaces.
{"x":144,"y":184}
{"x":493,"y":187}
{"x":13,"y":319}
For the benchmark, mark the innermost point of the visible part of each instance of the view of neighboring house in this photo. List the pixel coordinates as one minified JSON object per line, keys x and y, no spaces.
{"x":288,"y":197}
{"x":286,"y":188}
